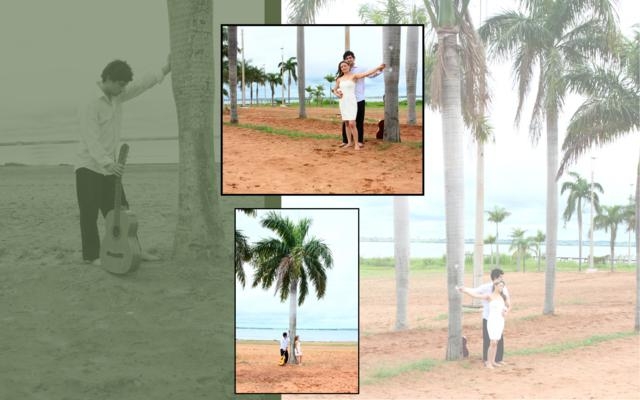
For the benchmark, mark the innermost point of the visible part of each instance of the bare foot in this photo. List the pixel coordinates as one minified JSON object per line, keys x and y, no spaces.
{"x":343,"y":145}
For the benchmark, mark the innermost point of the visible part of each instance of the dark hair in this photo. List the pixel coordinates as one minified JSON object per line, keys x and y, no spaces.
{"x":339,"y":74}
{"x":348,"y":53}
{"x":117,"y":71}
{"x":503,"y":285}
{"x":496,"y":273}
{"x":284,"y":334}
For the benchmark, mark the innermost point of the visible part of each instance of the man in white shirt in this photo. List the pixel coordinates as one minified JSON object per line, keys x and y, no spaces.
{"x":485,"y":289}
{"x":96,"y":166}
{"x":284,"y":347}
{"x":350,"y":58}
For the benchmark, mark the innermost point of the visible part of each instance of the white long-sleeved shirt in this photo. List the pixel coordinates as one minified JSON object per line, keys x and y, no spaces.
{"x":100,"y":124}
{"x":360,"y":82}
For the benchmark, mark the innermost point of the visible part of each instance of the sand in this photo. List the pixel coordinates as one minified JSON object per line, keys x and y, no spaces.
{"x":587,"y":306}
{"x":326,"y":368}
{"x":255,"y":162}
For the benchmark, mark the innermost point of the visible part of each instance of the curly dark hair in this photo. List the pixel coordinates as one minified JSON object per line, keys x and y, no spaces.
{"x":117,"y":71}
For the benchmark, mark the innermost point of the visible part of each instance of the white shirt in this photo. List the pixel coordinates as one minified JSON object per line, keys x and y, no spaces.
{"x":360,"y":82}
{"x":100,"y":124}
{"x":484,"y":289}
{"x":284,"y":343}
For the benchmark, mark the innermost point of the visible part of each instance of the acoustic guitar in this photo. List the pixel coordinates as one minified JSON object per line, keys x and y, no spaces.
{"x":120,"y":250}
{"x":380,"y":133}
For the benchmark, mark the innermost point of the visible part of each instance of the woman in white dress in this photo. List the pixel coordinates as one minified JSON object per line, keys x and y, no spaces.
{"x":297,"y":349}
{"x":346,"y":84}
{"x":495,"y":322}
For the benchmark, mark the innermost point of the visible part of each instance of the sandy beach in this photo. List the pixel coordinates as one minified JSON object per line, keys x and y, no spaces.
{"x":72,"y":331}
{"x":328,"y":367}
{"x":258,"y":162}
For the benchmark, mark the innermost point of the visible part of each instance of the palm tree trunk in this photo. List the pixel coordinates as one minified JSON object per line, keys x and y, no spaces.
{"x":612,"y":246}
{"x":497,"y":248}
{"x":233,"y":72}
{"x":579,"y":211}
{"x":637,"y":324}
{"x":401,"y":255}
{"x":478,"y":248}
{"x":293,"y":309}
{"x":192,"y":65}
{"x":391,"y":57}
{"x":452,"y":131}
{"x":302,"y":112}
{"x":552,"y":209}
{"x":347,"y":38}
{"x":411,"y":71}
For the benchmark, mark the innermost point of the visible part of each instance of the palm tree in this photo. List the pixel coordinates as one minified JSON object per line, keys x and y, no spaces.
{"x":310,"y":90}
{"x":451,"y":21}
{"x":579,"y":190}
{"x":610,"y":111}
{"x":537,"y":241}
{"x":304,"y":11}
{"x":290,"y":261}
{"x":243,"y":252}
{"x":519,"y":244}
{"x":319,"y":93}
{"x":233,"y":71}
{"x":608,"y":219}
{"x":552,"y":36}
{"x":497,"y":215}
{"x":289,"y":67}
{"x":302,"y":112}
{"x":411,"y":71}
{"x":402,"y":255}
{"x":391,"y":57}
{"x":192,"y":65}
{"x":491,"y":240}
{"x":273,"y":80}
{"x":330,"y":78}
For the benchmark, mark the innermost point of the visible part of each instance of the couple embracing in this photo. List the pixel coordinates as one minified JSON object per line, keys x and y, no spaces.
{"x":350,"y":91}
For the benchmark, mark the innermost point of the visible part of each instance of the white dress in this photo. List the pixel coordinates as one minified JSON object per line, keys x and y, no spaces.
{"x":297,"y":350}
{"x":348,"y":103}
{"x":495,"y":322}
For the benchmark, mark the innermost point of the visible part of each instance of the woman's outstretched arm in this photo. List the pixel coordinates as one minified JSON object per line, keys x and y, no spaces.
{"x":370,"y":72}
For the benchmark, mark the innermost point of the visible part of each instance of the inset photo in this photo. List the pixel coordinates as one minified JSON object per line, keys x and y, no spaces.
{"x":322,"y":109}
{"x":296,"y":301}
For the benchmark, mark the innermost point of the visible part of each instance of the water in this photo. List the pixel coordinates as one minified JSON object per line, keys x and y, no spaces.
{"x":436,"y":250}
{"x":143,"y":151}
{"x":307,"y":335}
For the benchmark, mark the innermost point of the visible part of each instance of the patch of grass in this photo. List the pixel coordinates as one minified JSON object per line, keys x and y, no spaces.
{"x":391,"y":372}
{"x":384,"y":146}
{"x":283,"y":132}
{"x":441,"y":317}
{"x":571,"y":345}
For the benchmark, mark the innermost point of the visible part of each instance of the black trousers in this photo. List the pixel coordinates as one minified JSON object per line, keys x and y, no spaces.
{"x":359,"y":124}
{"x":285,"y":353}
{"x":485,"y":343}
{"x":95,"y":192}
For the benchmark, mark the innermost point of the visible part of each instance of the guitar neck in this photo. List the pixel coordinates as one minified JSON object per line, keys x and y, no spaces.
{"x":117,"y":202}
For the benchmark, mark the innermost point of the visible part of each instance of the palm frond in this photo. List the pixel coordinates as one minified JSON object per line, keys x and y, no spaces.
{"x":304,"y":11}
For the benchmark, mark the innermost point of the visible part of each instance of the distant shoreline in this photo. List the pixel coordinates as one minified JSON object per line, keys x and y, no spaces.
{"x":315,"y":343}
{"x":71,"y":141}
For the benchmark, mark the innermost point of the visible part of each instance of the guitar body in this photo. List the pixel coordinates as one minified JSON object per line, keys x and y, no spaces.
{"x":380,"y":132}
{"x":120,"y":250}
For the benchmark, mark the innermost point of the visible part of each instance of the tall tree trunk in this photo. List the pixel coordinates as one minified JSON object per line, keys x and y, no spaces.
{"x":497,"y":248}
{"x":452,"y":132}
{"x":478,"y":248}
{"x":411,"y":71}
{"x":302,"y":112}
{"x":293,"y":309}
{"x":391,"y":57}
{"x":233,"y":72}
{"x":612,"y":245}
{"x":347,"y":38}
{"x":401,"y":253}
{"x":552,"y":210}
{"x":191,"y":43}
{"x":637,"y":324}
{"x":579,"y":235}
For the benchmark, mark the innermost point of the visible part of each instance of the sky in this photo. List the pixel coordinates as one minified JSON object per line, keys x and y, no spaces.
{"x":339,"y":230}
{"x":266,"y":46}
{"x":515,"y":170}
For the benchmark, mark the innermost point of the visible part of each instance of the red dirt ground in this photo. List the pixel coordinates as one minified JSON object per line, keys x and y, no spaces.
{"x":586,"y":305}
{"x":256,"y":162}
